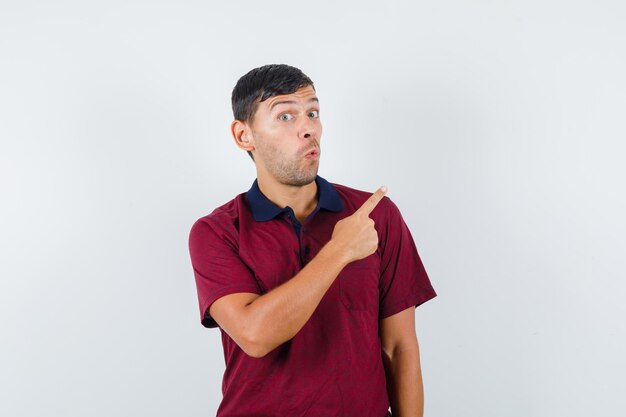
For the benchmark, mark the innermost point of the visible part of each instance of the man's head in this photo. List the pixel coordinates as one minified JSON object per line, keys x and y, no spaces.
{"x":276,"y":115}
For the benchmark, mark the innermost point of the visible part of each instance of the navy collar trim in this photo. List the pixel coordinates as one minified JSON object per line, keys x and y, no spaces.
{"x":263,"y":209}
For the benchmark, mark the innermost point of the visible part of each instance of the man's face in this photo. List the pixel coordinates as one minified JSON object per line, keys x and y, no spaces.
{"x":285,"y":129}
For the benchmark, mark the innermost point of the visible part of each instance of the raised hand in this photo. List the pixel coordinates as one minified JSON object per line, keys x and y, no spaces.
{"x":355,"y":235}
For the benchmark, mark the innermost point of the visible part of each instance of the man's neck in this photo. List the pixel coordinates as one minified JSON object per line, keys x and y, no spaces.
{"x":302,"y":199}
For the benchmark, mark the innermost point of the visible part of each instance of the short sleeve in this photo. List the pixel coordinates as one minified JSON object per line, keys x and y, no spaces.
{"x":217,"y":267}
{"x":403,"y":279}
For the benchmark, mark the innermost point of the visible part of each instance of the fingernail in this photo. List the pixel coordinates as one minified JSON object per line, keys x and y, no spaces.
{"x":384,"y":188}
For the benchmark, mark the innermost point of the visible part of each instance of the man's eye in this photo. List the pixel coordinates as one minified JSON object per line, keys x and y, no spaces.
{"x":285,"y":117}
{"x":314,"y":114}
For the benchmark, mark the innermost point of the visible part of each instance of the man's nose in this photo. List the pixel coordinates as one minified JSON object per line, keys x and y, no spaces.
{"x":309,"y":128}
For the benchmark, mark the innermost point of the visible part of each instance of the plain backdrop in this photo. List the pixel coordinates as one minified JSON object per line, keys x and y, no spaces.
{"x":498,"y":127}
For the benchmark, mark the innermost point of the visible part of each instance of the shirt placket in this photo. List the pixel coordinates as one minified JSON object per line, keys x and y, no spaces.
{"x":299,"y":229}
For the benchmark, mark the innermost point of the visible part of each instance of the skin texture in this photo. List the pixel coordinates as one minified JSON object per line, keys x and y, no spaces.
{"x":279,"y":136}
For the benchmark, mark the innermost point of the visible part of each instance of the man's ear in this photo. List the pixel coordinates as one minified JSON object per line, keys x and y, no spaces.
{"x":242,"y":135}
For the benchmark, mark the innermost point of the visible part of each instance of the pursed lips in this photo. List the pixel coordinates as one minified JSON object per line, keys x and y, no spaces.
{"x":313,"y":151}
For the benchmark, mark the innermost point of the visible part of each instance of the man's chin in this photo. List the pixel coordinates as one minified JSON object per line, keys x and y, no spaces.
{"x":307,"y":179}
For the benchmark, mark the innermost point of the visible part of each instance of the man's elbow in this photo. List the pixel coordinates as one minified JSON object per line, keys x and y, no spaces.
{"x":256,"y":341}
{"x":254,"y":346}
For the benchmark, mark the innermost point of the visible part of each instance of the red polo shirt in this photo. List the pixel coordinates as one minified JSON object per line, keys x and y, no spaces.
{"x":333,"y":365}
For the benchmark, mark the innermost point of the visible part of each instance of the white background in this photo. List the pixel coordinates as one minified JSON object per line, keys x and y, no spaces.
{"x":498,"y":127}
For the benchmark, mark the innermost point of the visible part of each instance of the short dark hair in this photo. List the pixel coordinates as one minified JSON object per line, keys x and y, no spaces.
{"x":262,"y":83}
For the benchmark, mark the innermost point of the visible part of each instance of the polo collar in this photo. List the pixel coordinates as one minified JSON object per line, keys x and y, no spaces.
{"x":263,"y":209}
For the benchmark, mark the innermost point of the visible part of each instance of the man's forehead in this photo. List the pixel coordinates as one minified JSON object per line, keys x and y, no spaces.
{"x":305,"y":94}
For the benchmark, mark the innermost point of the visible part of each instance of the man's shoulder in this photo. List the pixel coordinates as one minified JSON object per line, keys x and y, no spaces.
{"x":351,"y":194}
{"x":224,"y":217}
{"x":355,"y":197}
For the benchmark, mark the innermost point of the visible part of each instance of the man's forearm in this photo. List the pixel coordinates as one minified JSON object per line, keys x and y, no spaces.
{"x":404,"y":383}
{"x":278,"y":315}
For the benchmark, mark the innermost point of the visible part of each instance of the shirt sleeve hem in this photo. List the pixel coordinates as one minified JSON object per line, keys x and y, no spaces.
{"x":415,"y":299}
{"x":205,"y":319}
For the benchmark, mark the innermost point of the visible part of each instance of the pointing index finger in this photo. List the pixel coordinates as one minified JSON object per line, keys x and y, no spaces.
{"x":372,"y":201}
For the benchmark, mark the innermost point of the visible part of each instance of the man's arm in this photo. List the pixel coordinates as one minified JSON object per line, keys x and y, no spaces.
{"x":401,"y":360}
{"x":260,"y":323}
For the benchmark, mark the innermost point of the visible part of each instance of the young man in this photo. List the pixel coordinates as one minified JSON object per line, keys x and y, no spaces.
{"x":313,"y":284}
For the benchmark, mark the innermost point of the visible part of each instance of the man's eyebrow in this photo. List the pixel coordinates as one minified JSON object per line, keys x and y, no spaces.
{"x":276,"y":103}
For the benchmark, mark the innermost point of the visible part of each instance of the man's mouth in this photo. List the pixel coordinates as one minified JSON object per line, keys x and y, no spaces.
{"x":312,"y":154}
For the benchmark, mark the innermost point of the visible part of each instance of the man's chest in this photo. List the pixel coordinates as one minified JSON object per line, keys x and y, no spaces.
{"x":276,"y":251}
